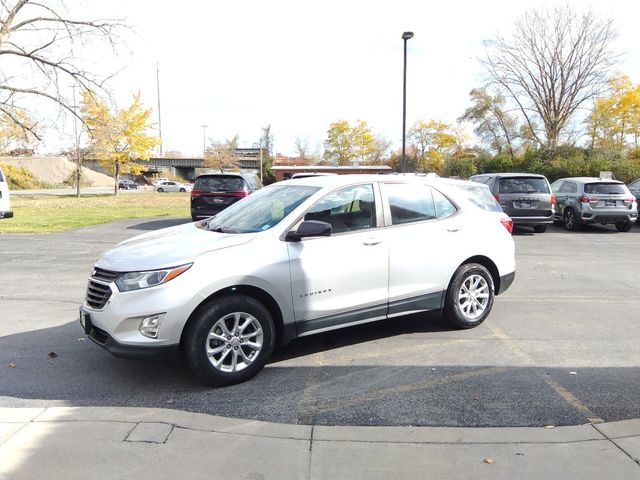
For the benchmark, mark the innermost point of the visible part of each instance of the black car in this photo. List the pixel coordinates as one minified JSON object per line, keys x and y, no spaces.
{"x":525,"y":197}
{"x":213,"y":192}
{"x":127,"y":185}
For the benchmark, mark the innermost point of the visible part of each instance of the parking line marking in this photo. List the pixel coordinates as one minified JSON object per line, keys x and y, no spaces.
{"x":565,"y":394}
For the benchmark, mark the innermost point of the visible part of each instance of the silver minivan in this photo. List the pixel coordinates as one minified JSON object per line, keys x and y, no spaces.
{"x":525,"y":197}
{"x":5,"y":205}
{"x":583,"y":200}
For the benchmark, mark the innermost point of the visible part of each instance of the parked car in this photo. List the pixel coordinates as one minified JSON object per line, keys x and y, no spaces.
{"x":128,"y":185}
{"x":5,"y":204}
{"x":171,"y":186}
{"x":298,"y":258}
{"x":634,"y":188}
{"x":525,"y":197}
{"x":213,"y":192}
{"x":584,"y":200}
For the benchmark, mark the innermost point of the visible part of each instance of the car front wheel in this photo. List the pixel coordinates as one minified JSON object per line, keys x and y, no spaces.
{"x":160,"y":190}
{"x":469,"y":296}
{"x":230,"y":340}
{"x":182,"y":190}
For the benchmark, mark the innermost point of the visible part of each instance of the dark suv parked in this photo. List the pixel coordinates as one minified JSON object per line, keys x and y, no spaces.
{"x":525,"y":197}
{"x":213,"y":192}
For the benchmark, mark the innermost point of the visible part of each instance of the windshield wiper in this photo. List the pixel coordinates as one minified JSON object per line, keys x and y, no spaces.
{"x":222,"y":230}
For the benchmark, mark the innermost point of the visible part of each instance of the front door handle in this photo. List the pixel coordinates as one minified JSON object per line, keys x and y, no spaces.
{"x":372,"y":241}
{"x":453,"y":229}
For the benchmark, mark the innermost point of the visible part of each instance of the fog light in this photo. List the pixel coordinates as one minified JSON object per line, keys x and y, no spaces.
{"x":149,"y":326}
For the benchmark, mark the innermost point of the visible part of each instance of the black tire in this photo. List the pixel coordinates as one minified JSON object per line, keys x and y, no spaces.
{"x":623,"y":226}
{"x":160,"y":190}
{"x":454,"y":310}
{"x":570,"y":220}
{"x":182,"y":190}
{"x":198,"y":330}
{"x":540,"y":228}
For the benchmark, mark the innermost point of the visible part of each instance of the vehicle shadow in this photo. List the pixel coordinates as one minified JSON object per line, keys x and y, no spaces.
{"x":58,"y":366}
{"x":158,"y":224}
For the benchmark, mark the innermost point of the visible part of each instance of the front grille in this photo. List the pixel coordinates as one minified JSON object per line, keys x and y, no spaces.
{"x":98,"y":290}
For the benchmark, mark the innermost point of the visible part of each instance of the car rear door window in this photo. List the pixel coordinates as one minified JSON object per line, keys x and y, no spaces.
{"x":444,"y":208}
{"x":519,"y":185}
{"x":409,"y":203}
{"x":569,"y":187}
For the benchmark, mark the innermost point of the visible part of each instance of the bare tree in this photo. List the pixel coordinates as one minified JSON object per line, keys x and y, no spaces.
{"x":303,"y":148}
{"x":39,"y":46}
{"x":554,"y":62}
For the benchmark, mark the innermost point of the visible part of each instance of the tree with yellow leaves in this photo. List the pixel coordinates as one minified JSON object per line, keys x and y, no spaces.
{"x":118,"y":137}
{"x":346,"y":144}
{"x":14,"y":135}
{"x":614,"y":122}
{"x":432,"y":143}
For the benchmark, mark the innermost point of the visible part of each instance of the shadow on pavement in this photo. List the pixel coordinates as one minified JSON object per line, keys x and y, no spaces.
{"x":295,"y":388}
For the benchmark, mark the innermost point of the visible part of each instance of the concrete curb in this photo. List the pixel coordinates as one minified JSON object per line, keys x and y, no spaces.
{"x":118,"y":442}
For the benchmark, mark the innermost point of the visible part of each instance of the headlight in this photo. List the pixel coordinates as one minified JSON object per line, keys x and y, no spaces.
{"x":137,"y":280}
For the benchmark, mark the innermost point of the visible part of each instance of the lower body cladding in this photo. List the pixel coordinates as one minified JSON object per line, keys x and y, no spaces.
{"x":122,"y":335}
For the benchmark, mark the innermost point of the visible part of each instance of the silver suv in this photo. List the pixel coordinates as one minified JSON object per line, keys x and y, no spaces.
{"x":584,"y":200}
{"x":297,"y":258}
{"x":525,"y":197}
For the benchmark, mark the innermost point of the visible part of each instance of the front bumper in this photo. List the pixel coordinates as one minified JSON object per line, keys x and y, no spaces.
{"x":117,"y":349}
{"x":6,"y":214}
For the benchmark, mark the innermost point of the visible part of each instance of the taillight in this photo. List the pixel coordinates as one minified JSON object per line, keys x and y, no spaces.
{"x":507,"y":223}
{"x":240,"y":193}
{"x":553,"y":199}
{"x":586,"y":199}
{"x":197,"y":193}
{"x":496,"y":196}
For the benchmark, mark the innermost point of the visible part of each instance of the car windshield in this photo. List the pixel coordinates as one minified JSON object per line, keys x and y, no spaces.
{"x":605,"y":188}
{"x":480,"y":197}
{"x":523,"y":185}
{"x":261,"y":210}
{"x":221,"y":183}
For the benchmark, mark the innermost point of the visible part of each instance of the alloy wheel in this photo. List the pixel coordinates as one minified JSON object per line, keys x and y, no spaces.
{"x":234,"y":342}
{"x":473,"y":296}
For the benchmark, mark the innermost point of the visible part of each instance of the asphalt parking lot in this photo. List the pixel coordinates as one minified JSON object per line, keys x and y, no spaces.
{"x":560,"y":347}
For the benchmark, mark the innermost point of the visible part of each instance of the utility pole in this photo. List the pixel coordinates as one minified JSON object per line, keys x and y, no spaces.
{"x":77,"y":142}
{"x":159,"y":116}
{"x":204,"y":140}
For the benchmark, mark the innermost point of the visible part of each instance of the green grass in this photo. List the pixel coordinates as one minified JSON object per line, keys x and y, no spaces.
{"x":47,"y":214}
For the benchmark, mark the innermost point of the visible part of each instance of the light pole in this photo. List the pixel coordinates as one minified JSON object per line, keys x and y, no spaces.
{"x":405,"y":36}
{"x":204,"y":140}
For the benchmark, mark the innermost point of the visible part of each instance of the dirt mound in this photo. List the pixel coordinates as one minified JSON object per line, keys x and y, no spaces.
{"x":55,"y":170}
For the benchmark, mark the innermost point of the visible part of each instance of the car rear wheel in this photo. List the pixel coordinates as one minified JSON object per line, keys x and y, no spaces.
{"x":182,"y":190}
{"x":623,"y":226}
{"x":230,"y":340}
{"x":571,"y":222}
{"x":540,"y":228}
{"x":469,"y":296}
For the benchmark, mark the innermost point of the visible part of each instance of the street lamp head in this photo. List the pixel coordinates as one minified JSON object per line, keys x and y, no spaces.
{"x":407,"y":35}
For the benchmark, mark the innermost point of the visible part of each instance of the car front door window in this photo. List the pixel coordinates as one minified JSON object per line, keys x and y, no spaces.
{"x":349,"y":209}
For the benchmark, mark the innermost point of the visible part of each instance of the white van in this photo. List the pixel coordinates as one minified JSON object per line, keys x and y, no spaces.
{"x":5,"y":206}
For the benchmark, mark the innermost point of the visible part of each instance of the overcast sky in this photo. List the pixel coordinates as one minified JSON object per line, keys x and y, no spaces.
{"x":237,"y":66}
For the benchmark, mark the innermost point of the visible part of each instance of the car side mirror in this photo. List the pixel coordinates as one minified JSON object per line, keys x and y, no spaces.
{"x":309,"y":228}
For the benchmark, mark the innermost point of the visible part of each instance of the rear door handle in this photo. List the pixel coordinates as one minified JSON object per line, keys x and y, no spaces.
{"x":372,"y":241}
{"x":453,"y":229}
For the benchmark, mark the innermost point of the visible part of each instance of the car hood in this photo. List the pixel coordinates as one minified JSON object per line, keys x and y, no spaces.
{"x":168,"y":247}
